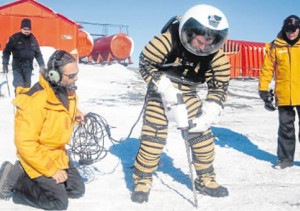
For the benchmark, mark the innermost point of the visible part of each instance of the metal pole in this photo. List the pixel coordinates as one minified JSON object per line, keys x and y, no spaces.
{"x":7,"y":84}
{"x":187,"y":147}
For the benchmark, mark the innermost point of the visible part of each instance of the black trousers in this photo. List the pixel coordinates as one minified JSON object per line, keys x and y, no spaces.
{"x":22,"y":73}
{"x":44,"y":193}
{"x":286,"y":132}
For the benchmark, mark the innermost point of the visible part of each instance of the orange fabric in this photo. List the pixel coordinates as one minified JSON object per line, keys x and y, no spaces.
{"x":43,"y":127}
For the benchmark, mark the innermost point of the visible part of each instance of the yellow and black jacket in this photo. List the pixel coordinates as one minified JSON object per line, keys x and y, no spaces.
{"x":164,"y":54}
{"x":282,"y":64}
{"x":43,"y":127}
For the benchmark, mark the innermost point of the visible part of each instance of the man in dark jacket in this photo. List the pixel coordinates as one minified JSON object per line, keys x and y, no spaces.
{"x":24,"y":48}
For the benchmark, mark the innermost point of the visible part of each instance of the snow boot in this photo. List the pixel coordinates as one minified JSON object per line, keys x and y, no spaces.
{"x":9,"y":175}
{"x":283,"y":165}
{"x":140,"y":196}
{"x":207,"y":185}
{"x":4,"y":175}
{"x":141,"y":190}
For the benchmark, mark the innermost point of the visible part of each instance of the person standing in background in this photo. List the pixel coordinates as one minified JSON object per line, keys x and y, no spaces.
{"x":282,"y":64}
{"x":24,"y":48}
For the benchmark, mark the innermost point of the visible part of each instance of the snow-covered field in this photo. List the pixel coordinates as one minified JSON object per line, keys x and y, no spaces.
{"x":245,"y":146}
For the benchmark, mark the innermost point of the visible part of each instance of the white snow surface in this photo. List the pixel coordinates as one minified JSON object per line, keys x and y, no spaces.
{"x":246,"y":143}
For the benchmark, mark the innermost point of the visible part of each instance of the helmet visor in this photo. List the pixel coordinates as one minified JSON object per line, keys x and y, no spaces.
{"x":201,"y":40}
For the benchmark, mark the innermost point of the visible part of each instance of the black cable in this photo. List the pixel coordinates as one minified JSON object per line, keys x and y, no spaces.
{"x":87,"y":145}
{"x":143,"y":108}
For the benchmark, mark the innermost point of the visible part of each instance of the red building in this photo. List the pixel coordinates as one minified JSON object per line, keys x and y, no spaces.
{"x":50,"y":28}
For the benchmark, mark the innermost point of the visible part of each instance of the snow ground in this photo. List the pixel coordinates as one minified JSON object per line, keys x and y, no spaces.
{"x":245,"y":150}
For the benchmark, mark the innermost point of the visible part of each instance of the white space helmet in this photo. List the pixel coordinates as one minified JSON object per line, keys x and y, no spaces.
{"x":207,"y":21}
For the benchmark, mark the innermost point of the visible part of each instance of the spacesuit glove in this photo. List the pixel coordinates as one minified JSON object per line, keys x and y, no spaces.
{"x":5,"y":68}
{"x":211,"y":112}
{"x":178,"y":114}
{"x":172,"y":100}
{"x":167,"y":91}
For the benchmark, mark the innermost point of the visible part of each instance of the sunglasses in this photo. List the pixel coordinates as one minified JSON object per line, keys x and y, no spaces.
{"x":71,"y":76}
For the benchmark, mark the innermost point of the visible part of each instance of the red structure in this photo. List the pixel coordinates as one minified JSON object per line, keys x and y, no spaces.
{"x":117,"y":47}
{"x":246,"y":58}
{"x":50,"y":28}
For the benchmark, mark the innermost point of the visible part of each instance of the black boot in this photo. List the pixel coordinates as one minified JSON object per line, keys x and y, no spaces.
{"x":9,"y":175}
{"x":207,"y":185}
{"x":5,"y":191}
{"x":139,"y":196}
{"x":283,"y":164}
{"x":141,"y":191}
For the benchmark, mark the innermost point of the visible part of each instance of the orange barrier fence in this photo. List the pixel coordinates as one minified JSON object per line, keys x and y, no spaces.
{"x":246,"y":58}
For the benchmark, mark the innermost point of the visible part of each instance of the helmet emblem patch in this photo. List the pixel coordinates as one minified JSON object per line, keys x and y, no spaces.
{"x":214,"y":20}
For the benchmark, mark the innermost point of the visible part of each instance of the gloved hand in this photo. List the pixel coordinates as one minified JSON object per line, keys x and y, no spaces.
{"x":211,"y":112}
{"x":173,"y":103}
{"x":268,"y":98}
{"x":178,"y":114}
{"x":5,"y":68}
{"x":167,"y":91}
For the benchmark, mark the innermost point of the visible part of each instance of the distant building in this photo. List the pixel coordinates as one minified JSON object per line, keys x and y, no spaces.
{"x":50,"y":28}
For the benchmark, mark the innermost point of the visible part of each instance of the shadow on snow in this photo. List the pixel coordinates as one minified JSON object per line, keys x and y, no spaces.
{"x":230,"y":139}
{"x":127,"y":150}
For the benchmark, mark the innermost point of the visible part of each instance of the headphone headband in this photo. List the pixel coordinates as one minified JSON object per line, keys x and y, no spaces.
{"x":54,"y":74}
{"x":58,"y":55}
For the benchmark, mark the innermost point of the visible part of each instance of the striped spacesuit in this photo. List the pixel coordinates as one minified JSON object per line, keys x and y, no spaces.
{"x":165,"y":55}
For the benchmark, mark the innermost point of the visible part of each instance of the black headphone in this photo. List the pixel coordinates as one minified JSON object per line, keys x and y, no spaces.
{"x":54,"y":74}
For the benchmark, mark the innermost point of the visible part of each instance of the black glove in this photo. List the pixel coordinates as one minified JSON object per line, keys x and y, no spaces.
{"x":5,"y":68}
{"x":268,"y":97}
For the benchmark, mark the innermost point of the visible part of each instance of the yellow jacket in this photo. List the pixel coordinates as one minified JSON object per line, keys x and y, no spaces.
{"x":282,"y":62}
{"x":43,"y":127}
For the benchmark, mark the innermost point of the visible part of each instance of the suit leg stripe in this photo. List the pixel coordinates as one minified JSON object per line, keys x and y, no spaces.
{"x":205,"y":171}
{"x":146,"y":166}
{"x":142,"y":174}
{"x":200,"y":138}
{"x":154,"y":139}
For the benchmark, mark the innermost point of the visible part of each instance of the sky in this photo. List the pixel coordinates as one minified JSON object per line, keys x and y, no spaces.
{"x":251,"y":20}
{"x":245,"y":149}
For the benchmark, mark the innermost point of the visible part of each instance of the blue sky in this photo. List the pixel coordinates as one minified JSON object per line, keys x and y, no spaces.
{"x":250,"y":20}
